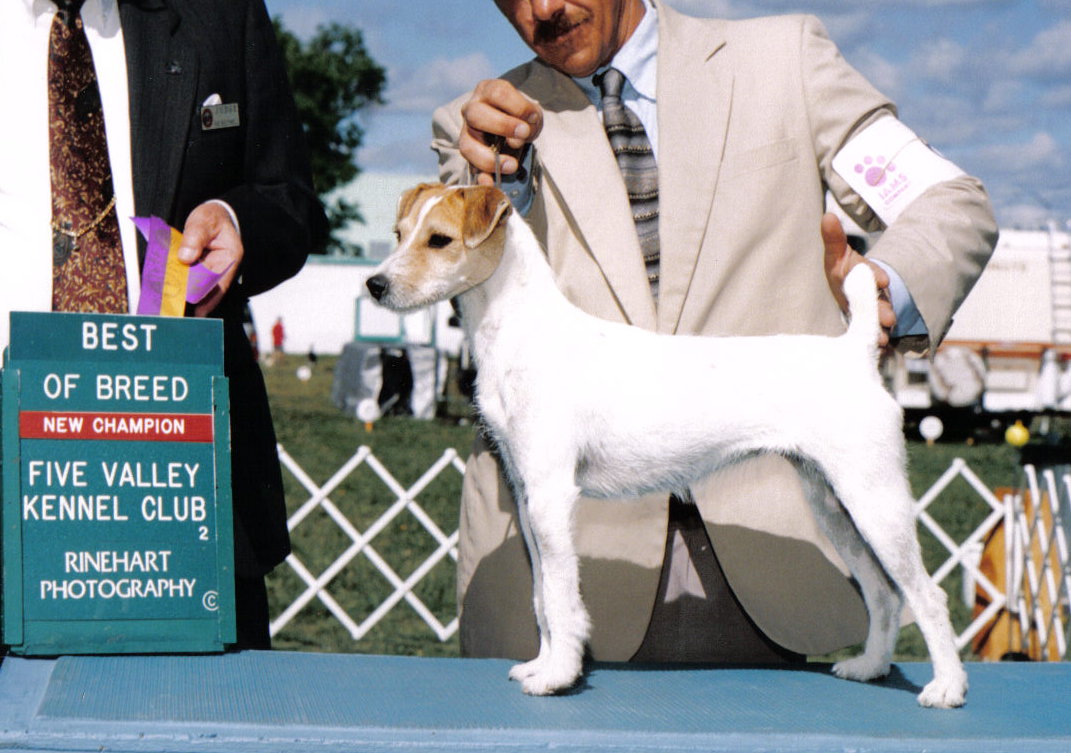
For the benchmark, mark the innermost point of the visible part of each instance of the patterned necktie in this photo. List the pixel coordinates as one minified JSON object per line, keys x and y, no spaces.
{"x":88,"y":273}
{"x":636,"y":160}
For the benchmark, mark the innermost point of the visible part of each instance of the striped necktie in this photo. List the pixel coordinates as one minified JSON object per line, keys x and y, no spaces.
{"x":88,"y":272}
{"x":637,"y":163}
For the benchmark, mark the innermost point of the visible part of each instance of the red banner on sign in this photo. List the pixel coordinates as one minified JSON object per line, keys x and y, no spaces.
{"x":145,"y":427}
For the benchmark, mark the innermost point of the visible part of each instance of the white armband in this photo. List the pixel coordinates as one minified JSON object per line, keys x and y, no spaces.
{"x":889,"y":166}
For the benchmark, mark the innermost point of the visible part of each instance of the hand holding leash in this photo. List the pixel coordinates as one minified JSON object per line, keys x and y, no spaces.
{"x":500,"y":122}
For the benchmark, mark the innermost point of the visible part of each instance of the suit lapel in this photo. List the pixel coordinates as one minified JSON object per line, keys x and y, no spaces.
{"x":162,"y":71}
{"x":694,"y":101}
{"x":578,"y":165}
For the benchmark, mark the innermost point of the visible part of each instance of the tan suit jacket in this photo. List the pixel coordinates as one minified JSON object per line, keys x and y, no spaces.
{"x":751,"y":114}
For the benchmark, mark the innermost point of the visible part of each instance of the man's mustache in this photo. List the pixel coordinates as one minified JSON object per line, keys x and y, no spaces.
{"x":549,"y":30}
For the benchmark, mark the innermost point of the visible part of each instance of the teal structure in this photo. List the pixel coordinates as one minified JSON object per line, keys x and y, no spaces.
{"x":117,"y":530}
{"x":275,"y":702}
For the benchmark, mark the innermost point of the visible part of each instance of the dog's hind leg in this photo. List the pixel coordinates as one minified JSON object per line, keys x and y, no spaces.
{"x":881,"y":597}
{"x":880,"y":504}
{"x":565,"y":625}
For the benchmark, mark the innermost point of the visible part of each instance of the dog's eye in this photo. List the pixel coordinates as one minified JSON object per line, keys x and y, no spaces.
{"x":438,"y":240}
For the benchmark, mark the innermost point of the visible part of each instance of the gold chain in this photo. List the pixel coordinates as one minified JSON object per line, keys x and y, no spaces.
{"x":100,"y":218}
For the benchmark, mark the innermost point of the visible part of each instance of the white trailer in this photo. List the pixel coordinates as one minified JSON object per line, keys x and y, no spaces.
{"x":1007,"y":356}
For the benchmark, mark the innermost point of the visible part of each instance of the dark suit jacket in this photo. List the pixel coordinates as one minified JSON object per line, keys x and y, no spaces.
{"x":179,"y":53}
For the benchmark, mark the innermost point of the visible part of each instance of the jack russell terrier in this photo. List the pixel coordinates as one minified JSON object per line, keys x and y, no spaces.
{"x":597,"y":428}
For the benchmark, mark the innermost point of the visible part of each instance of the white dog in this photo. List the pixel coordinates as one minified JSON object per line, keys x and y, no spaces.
{"x":569,"y":401}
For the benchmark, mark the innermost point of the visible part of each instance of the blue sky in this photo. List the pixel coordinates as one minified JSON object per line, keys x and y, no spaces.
{"x":987,"y":82}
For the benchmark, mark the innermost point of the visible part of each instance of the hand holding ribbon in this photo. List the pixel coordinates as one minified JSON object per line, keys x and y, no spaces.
{"x":167,"y":282}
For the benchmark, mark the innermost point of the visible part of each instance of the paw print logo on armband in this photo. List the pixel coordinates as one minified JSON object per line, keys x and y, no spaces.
{"x":875,"y":170}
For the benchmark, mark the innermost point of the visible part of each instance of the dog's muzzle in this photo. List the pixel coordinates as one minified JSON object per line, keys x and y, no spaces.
{"x":377,"y":285}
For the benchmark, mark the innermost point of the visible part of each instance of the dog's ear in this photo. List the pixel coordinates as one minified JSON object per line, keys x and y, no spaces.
{"x":486,"y":207}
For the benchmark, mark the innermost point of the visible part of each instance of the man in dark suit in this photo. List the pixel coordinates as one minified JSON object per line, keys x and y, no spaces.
{"x":215,"y":149}
{"x":179,"y":54}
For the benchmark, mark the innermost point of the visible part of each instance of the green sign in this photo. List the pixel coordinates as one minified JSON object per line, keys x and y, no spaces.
{"x":117,"y":530}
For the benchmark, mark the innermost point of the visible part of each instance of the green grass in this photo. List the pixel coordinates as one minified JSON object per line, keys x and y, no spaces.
{"x":321,"y":439}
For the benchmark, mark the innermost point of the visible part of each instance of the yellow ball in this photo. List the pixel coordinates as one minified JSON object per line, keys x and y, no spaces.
{"x":1017,"y":435}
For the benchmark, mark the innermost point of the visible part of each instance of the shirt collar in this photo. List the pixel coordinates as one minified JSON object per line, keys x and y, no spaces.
{"x":106,"y":12}
{"x":637,"y":59}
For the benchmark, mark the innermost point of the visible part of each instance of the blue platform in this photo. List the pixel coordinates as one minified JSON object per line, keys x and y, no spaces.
{"x":276,"y":701}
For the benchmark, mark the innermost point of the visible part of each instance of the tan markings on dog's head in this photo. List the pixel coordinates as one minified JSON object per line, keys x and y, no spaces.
{"x":450,"y":239}
{"x":408,"y":203}
{"x":405,"y":201}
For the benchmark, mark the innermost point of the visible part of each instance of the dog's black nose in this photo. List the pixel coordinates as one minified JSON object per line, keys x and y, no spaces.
{"x":377,"y":285}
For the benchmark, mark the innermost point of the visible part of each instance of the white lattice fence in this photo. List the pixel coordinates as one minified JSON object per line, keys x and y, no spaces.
{"x":965,"y":554}
{"x":361,"y":543}
{"x":1046,"y":581}
{"x":1038,"y":565}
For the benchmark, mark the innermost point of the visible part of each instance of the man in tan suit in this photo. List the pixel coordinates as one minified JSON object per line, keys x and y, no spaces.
{"x":746,"y":119}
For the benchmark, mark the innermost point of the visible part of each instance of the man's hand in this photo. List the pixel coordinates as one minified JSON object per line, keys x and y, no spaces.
{"x":839,"y":260}
{"x":211,"y":237}
{"x":497,"y":111}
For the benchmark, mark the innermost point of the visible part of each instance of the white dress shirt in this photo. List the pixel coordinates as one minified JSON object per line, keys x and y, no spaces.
{"x":25,"y":185}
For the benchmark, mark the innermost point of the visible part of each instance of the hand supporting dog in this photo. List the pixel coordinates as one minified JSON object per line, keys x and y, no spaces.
{"x":586,"y":429}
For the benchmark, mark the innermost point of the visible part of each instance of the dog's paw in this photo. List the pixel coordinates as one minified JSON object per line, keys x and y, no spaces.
{"x":861,"y":668}
{"x":541,"y":677}
{"x":521,"y":672}
{"x":945,"y":693}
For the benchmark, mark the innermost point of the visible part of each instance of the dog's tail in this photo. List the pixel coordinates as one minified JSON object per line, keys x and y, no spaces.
{"x":862,"y":294}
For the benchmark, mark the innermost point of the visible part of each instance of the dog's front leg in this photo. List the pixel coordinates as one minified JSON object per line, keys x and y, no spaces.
{"x":547,"y":511}
{"x":537,"y":583}
{"x":516,"y":484}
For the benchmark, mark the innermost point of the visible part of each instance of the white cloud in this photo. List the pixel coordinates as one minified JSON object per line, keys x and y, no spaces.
{"x":886,"y":76}
{"x":943,"y":3}
{"x":423,"y":89}
{"x":1048,"y":55}
{"x":1041,"y":153}
{"x":1058,"y":97}
{"x":305,"y":23}
{"x":941,"y":60}
{"x":1003,"y":96}
{"x":405,"y":155}
{"x":944,"y":120}
{"x":1028,"y":216}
